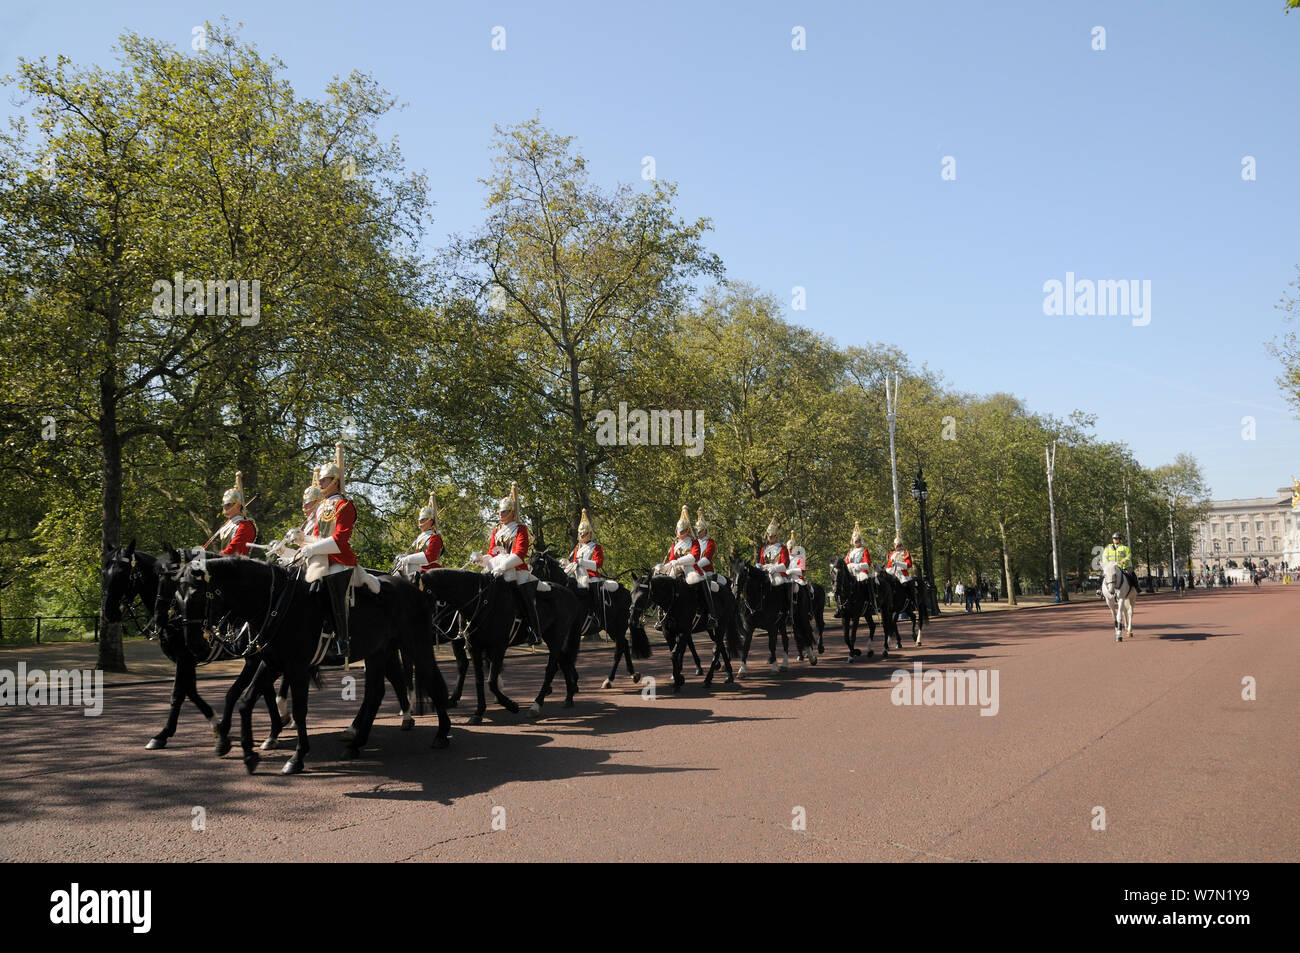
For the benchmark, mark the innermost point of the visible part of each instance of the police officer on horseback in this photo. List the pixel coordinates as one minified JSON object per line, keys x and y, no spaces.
{"x":1121,"y":556}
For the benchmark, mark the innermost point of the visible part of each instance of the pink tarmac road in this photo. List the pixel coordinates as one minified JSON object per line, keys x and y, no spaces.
{"x":1155,"y":732}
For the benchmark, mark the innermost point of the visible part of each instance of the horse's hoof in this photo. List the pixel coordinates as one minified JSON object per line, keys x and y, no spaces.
{"x":731,"y":680}
{"x":513,"y":708}
{"x":606,"y":684}
{"x":785,"y":664}
{"x":1118,"y":637}
{"x":408,"y":723}
{"x":636,"y":678}
{"x":223,"y":746}
{"x":851,"y":657}
{"x":349,"y":733}
{"x":348,"y":753}
{"x":156,"y":742}
{"x":216,"y":726}
{"x":292,"y":766}
{"x":812,"y":660}
{"x":440,"y":741}
{"x":568,"y":703}
{"x":742,"y":671}
{"x":250,"y":761}
{"x":775,"y":667}
{"x":453,"y":702}
{"x":534,"y":710}
{"x":698,"y":670}
{"x":856,"y":652}
{"x":475,"y":719}
{"x":870,"y":652}
{"x":271,"y":743}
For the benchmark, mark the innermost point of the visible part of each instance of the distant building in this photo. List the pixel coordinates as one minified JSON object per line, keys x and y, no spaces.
{"x":1262,"y":529}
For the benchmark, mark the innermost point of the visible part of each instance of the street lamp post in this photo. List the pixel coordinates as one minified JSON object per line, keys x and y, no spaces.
{"x":921,"y":493}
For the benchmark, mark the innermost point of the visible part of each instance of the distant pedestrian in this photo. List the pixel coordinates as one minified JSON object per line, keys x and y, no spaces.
{"x":947,"y":592}
{"x":961,"y":594}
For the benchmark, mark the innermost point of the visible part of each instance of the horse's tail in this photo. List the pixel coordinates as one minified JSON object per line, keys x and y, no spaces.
{"x":733,"y":636}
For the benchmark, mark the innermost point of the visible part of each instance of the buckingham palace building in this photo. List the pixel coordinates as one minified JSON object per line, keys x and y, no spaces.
{"x":1264,"y":529}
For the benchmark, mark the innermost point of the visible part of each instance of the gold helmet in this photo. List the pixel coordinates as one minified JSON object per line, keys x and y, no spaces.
{"x":791,"y":543}
{"x":584,"y":526}
{"x":313,"y":494}
{"x":898,"y":541}
{"x":430,"y":511}
{"x":236,"y":493}
{"x":773,"y":529}
{"x":334,"y":471}
{"x":510,"y":504}
{"x":684,"y":521}
{"x":701,"y":525}
{"x":857,"y":534}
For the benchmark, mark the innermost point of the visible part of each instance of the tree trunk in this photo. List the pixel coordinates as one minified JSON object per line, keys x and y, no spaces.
{"x":111,"y":656}
{"x":1006,"y":564}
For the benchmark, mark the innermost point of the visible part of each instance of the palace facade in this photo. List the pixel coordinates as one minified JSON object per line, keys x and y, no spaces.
{"x":1262,"y":529}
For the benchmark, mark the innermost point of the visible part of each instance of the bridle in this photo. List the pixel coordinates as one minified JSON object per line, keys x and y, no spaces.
{"x":265,"y":632}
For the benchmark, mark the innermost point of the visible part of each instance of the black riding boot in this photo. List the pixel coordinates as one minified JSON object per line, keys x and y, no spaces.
{"x":712,"y":616}
{"x":336,"y":587}
{"x":528,"y":599}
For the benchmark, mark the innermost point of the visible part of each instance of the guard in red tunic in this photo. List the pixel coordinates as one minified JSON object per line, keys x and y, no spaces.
{"x":507,"y":555}
{"x":857,"y":560}
{"x":238,"y":530}
{"x":900,"y":561}
{"x":774,"y":557}
{"x":798,"y":560}
{"x":587,"y":555}
{"x":683,"y":552}
{"x":328,"y":550}
{"x":426,"y":551}
{"x":705,"y":549}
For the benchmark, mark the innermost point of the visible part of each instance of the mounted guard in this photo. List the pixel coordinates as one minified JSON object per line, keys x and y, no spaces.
{"x":239,"y":530}
{"x":426,"y":551}
{"x":507,"y":556}
{"x":899,"y":561}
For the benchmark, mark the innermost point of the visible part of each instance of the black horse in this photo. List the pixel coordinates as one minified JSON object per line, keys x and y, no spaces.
{"x":685,"y":612}
{"x":285,"y":620}
{"x":905,"y":599}
{"x":486,"y":603}
{"x":763,"y":605}
{"x":133,"y":575}
{"x":601,"y":610}
{"x":859,"y":599}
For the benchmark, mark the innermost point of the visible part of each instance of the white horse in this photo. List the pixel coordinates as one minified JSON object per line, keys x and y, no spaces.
{"x":1117,"y":592}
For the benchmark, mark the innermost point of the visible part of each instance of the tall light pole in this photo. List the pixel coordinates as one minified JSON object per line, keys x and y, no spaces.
{"x":921,"y":493}
{"x":1051,"y":510}
{"x":1173,"y":558}
{"x":891,"y":414}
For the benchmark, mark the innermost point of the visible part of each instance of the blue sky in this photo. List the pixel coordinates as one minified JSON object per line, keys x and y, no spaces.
{"x":821,"y":168}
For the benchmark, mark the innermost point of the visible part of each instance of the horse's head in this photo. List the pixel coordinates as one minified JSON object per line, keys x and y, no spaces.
{"x":839,"y":577}
{"x":1112,"y":577}
{"x":545,"y":566}
{"x":119,"y":586}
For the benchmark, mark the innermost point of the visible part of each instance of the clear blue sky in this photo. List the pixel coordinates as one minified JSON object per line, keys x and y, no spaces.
{"x":821,"y":168}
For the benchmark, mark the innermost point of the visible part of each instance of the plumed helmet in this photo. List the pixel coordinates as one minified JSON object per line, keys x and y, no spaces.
{"x":334,"y":471}
{"x":773,"y":529}
{"x":430,"y":510}
{"x":510,"y":504}
{"x":312,"y":494}
{"x":684,"y":521}
{"x":584,"y":526}
{"x":792,"y":544}
{"x":236,"y":493}
{"x":857,"y":534}
{"x":898,"y":541}
{"x":701,"y":524}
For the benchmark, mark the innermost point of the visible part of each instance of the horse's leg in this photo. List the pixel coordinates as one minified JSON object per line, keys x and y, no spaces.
{"x":396,"y":669}
{"x":621,"y":649}
{"x":372,"y":696}
{"x":298,"y":689}
{"x":179,"y":692}
{"x":277,"y":720}
{"x":477,"y":717}
{"x":462,"y":667}
{"x":552,"y":663}
{"x":690,"y":642}
{"x":260,"y":681}
{"x":428,"y":674}
{"x":679,"y":651}
{"x":494,"y":683}
{"x":233,"y":694}
{"x":283,"y":704}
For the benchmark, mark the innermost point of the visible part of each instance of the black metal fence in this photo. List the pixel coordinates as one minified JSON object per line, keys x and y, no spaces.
{"x":39,"y":619}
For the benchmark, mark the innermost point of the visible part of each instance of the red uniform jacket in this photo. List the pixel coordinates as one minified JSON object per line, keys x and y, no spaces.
{"x":680,"y":547}
{"x":866,"y":556}
{"x":906,"y":561}
{"x":705,"y":552}
{"x":433,"y":552}
{"x":245,"y":533}
{"x":596,"y":556}
{"x":335,"y":517}
{"x":518,"y":546}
